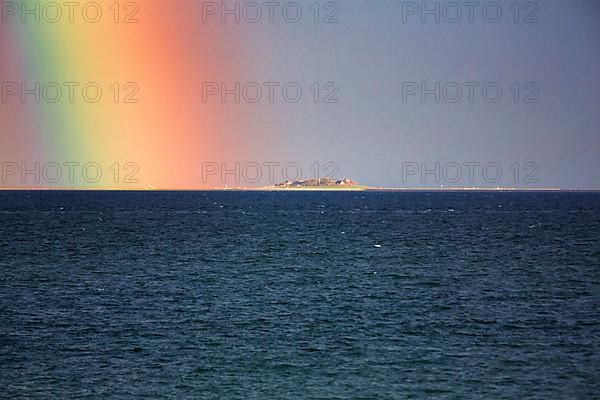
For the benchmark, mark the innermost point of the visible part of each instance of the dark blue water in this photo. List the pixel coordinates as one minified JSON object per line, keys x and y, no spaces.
{"x":286,"y":296}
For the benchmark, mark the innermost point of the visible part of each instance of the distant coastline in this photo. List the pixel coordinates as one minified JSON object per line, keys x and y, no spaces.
{"x":329,"y":184}
{"x":425,"y":189}
{"x":355,"y":187}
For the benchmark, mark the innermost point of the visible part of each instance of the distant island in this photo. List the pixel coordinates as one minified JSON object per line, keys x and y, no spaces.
{"x":319,"y":183}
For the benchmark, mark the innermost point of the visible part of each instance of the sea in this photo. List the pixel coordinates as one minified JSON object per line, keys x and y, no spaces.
{"x":299,"y":295}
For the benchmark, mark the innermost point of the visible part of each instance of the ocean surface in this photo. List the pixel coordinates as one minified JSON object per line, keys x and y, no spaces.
{"x":302,"y":295}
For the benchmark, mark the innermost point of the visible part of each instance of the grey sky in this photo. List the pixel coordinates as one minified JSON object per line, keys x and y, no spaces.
{"x":371,"y":52}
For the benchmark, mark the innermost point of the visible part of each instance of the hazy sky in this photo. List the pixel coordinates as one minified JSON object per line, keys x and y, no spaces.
{"x":474,"y":93}
{"x":372,"y":52}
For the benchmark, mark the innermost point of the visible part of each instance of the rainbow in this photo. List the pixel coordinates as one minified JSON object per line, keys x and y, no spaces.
{"x":122,"y":91}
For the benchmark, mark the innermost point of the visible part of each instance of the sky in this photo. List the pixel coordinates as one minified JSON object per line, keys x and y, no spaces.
{"x":499,"y":94}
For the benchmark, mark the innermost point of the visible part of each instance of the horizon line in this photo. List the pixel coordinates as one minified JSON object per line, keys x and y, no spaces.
{"x":298,"y":189}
